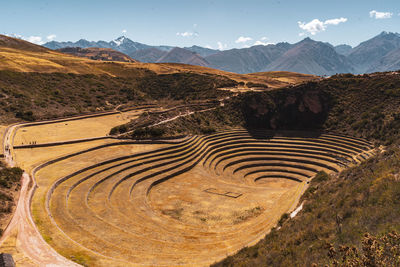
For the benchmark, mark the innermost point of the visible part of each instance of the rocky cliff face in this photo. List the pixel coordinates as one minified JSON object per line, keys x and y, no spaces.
{"x":286,"y":110}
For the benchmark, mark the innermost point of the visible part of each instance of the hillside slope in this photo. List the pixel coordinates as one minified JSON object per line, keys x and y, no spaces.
{"x":365,"y":106}
{"x":9,"y":187}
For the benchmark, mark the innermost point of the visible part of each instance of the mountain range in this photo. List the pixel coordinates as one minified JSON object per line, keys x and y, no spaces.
{"x":381,"y":53}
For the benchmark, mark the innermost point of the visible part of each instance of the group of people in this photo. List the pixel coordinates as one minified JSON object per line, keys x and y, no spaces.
{"x":31,"y":143}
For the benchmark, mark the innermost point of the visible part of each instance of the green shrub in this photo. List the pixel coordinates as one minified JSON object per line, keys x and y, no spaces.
{"x":148,"y":132}
{"x":27,"y":115}
{"x":119,"y":129}
{"x":321,"y":177}
{"x":207,"y":130}
{"x":284,"y":217}
{"x":256,"y":85}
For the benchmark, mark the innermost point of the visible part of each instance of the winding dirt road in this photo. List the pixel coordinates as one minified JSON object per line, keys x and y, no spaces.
{"x":29,"y":240}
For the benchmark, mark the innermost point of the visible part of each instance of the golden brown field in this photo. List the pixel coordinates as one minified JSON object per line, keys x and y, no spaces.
{"x":73,"y":129}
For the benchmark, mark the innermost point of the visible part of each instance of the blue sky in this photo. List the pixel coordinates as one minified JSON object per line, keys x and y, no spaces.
{"x":217,"y":24}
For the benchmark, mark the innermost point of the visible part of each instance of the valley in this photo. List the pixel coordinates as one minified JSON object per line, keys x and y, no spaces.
{"x":110,"y":163}
{"x":123,"y":182}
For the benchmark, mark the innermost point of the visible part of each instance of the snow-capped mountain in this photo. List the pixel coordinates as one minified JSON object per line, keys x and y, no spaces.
{"x":122,"y":44}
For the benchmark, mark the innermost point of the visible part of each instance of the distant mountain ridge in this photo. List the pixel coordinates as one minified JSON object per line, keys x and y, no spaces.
{"x":369,"y":53}
{"x":380,"y":53}
{"x":181,"y":55}
{"x":343,"y":49}
{"x":309,"y":56}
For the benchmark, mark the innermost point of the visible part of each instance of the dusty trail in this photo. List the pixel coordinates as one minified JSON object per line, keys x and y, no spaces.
{"x":181,"y":115}
{"x":29,"y":240}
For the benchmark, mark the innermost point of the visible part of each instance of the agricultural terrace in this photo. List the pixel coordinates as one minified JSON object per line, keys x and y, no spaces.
{"x":190,"y":201}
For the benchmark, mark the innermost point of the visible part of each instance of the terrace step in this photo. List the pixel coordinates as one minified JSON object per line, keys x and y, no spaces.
{"x":106,"y":207}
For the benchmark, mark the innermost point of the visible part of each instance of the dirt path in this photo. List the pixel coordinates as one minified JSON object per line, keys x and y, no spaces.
{"x":181,"y":115}
{"x":7,"y":147}
{"x":29,"y":239}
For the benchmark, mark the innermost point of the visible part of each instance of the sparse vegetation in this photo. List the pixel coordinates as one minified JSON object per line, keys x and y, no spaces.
{"x":9,"y":186}
{"x":354,"y":105}
{"x":256,"y":85}
{"x":119,"y":129}
{"x":375,"y":251}
{"x":148,"y":133}
{"x":247,"y":214}
{"x":32,"y":96}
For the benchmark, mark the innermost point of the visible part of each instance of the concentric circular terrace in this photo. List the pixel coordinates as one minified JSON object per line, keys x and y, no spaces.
{"x":188,"y":203}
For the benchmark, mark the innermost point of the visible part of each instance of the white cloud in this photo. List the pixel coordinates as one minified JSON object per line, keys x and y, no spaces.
{"x":221,"y":46}
{"x":51,"y":37}
{"x":187,"y":34}
{"x":264,"y":38}
{"x":124,"y":31}
{"x":209,"y":46}
{"x":34,"y":39}
{"x":243,"y":39}
{"x":301,"y":34}
{"x":315,"y":26}
{"x":335,"y":21}
{"x":14,"y":35}
{"x":380,"y":15}
{"x":262,"y":43}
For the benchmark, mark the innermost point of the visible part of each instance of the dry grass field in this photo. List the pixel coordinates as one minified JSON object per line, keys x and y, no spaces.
{"x":27,"y":158}
{"x":73,"y":129}
{"x":188,"y":203}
